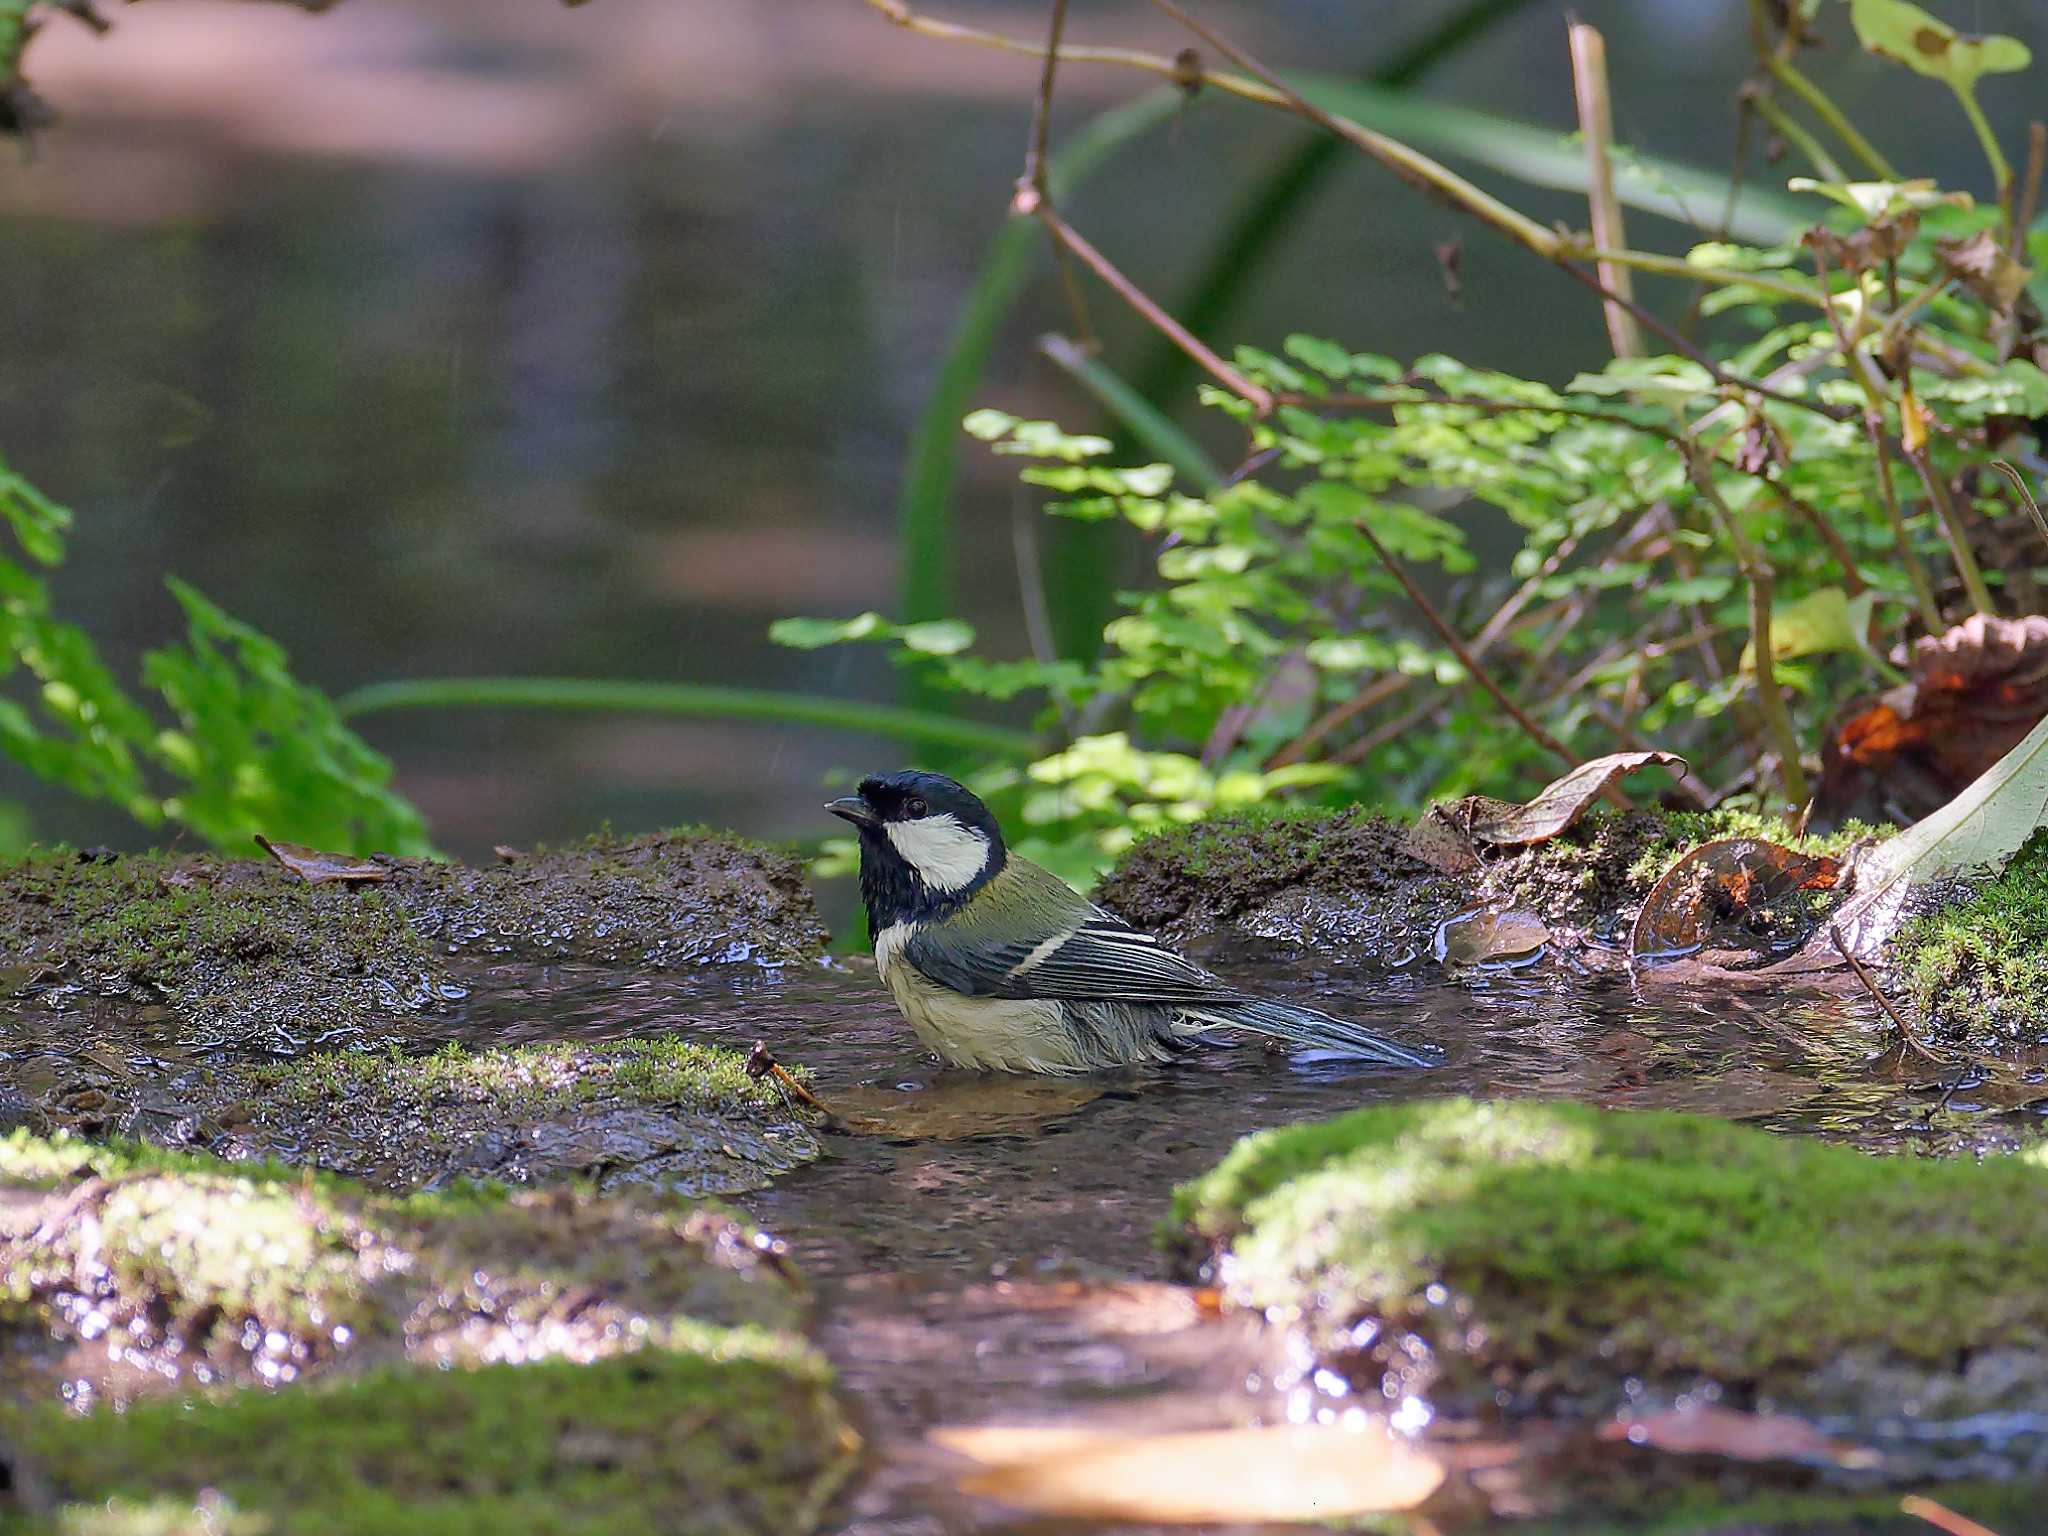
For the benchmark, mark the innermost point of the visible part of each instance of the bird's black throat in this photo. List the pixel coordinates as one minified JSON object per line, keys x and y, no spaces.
{"x":893,"y":892}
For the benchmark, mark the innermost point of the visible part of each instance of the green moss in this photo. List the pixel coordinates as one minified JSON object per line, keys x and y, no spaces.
{"x":1978,"y":967}
{"x":1557,"y":1249}
{"x":710,"y":1432}
{"x":268,"y":1273}
{"x":524,"y":1080}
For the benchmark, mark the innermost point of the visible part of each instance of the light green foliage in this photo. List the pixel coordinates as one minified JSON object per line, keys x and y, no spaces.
{"x":1274,"y":652}
{"x":1594,"y":1246}
{"x":253,"y":749}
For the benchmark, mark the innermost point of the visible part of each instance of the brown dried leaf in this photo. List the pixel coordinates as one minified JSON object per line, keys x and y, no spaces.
{"x":1984,"y":266}
{"x":1436,"y":840}
{"x":1972,"y":696}
{"x":1293,"y":1473}
{"x":1744,"y":901}
{"x":1708,"y":1430}
{"x":317,"y":868}
{"x":1558,"y":807}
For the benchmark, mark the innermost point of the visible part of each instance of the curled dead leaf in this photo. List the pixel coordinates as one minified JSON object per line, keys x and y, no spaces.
{"x":1558,"y":807}
{"x":1971,"y":695}
{"x":1285,"y":1473}
{"x":317,"y":868}
{"x":1738,"y":902}
{"x":1984,"y":266}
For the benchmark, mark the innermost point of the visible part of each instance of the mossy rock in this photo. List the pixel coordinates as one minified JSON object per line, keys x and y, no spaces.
{"x":1543,"y":1255}
{"x":201,"y":1270}
{"x":246,"y":954}
{"x":1352,"y":881}
{"x":1976,"y":967}
{"x":663,"y":1113}
{"x":720,"y":1432}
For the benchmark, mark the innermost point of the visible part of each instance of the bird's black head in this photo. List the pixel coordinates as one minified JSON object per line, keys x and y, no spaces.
{"x":926,"y":845}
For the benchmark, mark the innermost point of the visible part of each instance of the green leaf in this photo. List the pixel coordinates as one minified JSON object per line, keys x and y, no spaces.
{"x":937,"y":637}
{"x":1927,"y":45}
{"x":815,"y":634}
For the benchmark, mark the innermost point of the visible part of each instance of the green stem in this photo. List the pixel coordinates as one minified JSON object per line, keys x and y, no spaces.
{"x":692,"y":699}
{"x":1789,"y":75}
{"x":1786,"y":128}
{"x":2001,"y":171}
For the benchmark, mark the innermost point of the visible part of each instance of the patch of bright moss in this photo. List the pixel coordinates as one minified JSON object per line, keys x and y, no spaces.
{"x":1555,"y":1250}
{"x":1979,"y":966}
{"x":268,"y":1273}
{"x":527,"y":1079}
{"x":714,"y":1432}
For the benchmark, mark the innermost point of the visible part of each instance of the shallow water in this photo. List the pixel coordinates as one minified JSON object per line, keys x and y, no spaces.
{"x":1012,"y":1277}
{"x":983,"y":1249}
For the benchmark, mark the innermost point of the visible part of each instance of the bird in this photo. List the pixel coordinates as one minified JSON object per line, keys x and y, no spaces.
{"x":999,"y":965}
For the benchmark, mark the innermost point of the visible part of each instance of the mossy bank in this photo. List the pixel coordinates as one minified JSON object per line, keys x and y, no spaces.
{"x":469,"y":1361}
{"x":1978,"y":964}
{"x":1360,"y":883}
{"x":1547,"y":1256}
{"x":249,"y":954}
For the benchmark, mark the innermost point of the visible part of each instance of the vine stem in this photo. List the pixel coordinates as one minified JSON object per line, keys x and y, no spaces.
{"x":1474,"y":668}
{"x":1756,"y":574}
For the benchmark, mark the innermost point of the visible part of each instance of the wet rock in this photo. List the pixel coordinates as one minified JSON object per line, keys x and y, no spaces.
{"x":245,"y":954}
{"x":549,"y":1360}
{"x":1526,"y":1256}
{"x":663,"y":1113}
{"x":667,"y":900}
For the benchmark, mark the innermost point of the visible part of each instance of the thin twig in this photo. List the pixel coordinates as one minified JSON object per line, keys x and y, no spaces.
{"x":1596,"y":127}
{"x":2026,"y":494}
{"x":761,"y":1064}
{"x":1788,"y":128}
{"x":1463,"y":652}
{"x":1952,"y":524}
{"x":1756,"y":572}
{"x":1159,"y":319}
{"x":1853,"y":583}
{"x":2029,"y":187}
{"x":1032,"y":187}
{"x":1906,"y":1031}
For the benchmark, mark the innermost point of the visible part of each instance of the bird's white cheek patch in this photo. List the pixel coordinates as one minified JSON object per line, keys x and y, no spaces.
{"x":942,"y":851}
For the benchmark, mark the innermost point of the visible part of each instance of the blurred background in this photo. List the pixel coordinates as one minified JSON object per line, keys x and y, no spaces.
{"x":453,"y":337}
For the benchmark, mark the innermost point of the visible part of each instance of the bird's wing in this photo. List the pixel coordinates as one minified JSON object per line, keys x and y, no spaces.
{"x":1053,"y":944}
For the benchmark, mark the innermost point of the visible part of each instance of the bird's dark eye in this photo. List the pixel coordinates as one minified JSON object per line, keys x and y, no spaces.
{"x":915,"y":809}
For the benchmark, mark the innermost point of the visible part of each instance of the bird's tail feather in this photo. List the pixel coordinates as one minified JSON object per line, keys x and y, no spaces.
{"x":1307,"y":1026}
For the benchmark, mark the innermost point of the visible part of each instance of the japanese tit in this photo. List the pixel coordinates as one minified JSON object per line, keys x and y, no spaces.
{"x":999,"y":966}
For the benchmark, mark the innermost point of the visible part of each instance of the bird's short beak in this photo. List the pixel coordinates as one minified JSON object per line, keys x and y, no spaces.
{"x":854,"y":809}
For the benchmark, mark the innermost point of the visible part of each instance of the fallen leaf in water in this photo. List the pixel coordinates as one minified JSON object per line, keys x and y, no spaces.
{"x":1561,"y":804}
{"x":1709,"y":1430}
{"x":1738,"y":902}
{"x":1307,"y":1472}
{"x":952,"y":1109}
{"x":317,"y":868}
{"x":1970,"y":697}
{"x":1485,"y":936}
